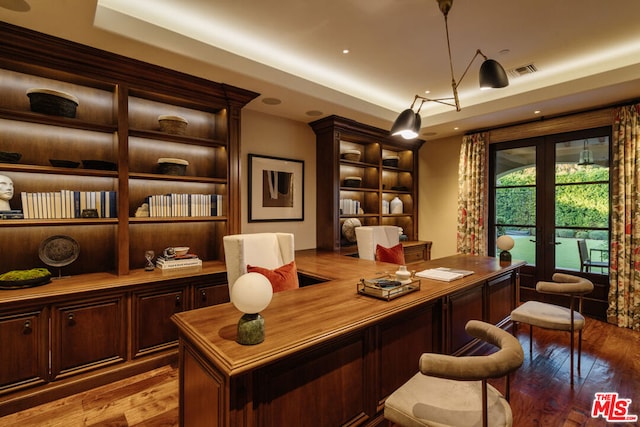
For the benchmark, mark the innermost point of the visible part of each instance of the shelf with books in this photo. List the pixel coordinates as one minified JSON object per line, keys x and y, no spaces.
{"x":376,"y":167}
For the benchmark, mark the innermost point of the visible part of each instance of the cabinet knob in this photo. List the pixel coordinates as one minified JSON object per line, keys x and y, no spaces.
{"x":71,"y":318}
{"x":203,"y":294}
{"x":27,"y":327}
{"x":178,"y":300}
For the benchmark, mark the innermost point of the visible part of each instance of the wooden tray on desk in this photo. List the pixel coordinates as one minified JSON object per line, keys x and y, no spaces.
{"x":372,"y":289}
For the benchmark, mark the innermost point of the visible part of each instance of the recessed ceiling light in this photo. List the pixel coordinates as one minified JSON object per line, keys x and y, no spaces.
{"x":345,"y":51}
{"x":314,"y":113}
{"x":537,"y":112}
{"x":271,"y":101}
{"x":456,"y":128}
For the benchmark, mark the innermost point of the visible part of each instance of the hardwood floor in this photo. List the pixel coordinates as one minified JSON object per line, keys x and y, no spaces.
{"x":540,"y":393}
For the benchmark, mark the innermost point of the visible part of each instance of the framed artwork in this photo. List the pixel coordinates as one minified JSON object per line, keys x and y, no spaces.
{"x":276,"y":189}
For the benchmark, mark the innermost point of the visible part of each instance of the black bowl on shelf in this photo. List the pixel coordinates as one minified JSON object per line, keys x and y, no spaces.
{"x":7,"y":157}
{"x":102,"y":165}
{"x":52,"y":102}
{"x":64,"y":163}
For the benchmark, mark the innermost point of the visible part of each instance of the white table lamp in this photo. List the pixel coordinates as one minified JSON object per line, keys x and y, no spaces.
{"x":250,"y":294}
{"x":505,"y":244}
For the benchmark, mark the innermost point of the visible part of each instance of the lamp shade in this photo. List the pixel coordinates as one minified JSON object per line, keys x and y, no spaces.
{"x":505,"y":243}
{"x":407,"y":124}
{"x":251,"y":293}
{"x":492,"y":75}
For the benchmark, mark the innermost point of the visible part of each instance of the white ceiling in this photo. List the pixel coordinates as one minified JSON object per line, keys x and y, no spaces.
{"x":587,"y":52}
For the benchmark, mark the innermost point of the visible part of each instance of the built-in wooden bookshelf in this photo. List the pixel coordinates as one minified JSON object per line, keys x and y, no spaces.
{"x":380,"y":181}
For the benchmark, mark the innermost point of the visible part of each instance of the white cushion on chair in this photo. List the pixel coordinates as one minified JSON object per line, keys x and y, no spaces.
{"x":436,"y":402}
{"x":549,"y":316}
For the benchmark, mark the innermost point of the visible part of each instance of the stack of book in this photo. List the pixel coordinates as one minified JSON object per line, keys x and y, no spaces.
{"x":191,"y":205}
{"x":68,"y":204}
{"x":184,"y":261}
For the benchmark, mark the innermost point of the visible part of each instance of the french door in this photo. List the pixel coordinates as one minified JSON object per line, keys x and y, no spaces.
{"x":551,"y":195}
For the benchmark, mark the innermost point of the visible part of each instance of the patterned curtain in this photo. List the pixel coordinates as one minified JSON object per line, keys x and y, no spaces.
{"x":472,"y":195}
{"x":624,"y":286}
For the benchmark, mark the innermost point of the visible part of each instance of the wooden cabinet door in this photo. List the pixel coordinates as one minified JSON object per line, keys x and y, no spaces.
{"x":214,"y":291}
{"x":501,"y":299}
{"x":462,"y":307}
{"x":23,"y":349}
{"x":87,"y":334}
{"x":153,"y":329}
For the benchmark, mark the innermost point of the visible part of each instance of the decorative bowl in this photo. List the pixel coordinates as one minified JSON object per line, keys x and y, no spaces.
{"x":170,"y":166}
{"x":53,"y":102}
{"x":352,"y":181}
{"x":181,"y":250}
{"x":99,"y":164}
{"x":390,"y":161}
{"x":7,"y":157}
{"x":353,"y":155}
{"x":175,"y":125}
{"x":64,"y":163}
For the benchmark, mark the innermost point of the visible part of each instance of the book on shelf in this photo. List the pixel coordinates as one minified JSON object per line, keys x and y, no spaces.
{"x":68,"y":204}
{"x":444,"y":274}
{"x":184,"y":205}
{"x":11,"y":214}
{"x":178,"y":262}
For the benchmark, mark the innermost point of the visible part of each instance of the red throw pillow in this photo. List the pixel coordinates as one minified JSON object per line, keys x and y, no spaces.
{"x":282,"y":278}
{"x":394,"y":254}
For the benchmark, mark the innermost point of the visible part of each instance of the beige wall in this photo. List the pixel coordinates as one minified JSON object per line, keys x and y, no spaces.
{"x":274,"y":136}
{"x":278,"y":137}
{"x":438,"y":197}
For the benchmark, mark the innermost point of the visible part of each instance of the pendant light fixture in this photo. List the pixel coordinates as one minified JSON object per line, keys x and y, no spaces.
{"x":492,"y":75}
{"x":586,"y":156}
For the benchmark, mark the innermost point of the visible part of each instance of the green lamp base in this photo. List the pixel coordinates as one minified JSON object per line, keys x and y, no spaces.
{"x":250,"y":329}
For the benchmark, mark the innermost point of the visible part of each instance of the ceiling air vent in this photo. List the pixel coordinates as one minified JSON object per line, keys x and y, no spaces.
{"x":521,"y":71}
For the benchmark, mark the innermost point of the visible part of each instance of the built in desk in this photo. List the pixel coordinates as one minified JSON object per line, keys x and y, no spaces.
{"x":331,"y":356}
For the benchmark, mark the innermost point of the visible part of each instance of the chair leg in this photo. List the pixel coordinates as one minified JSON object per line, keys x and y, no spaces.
{"x":485,"y":410}
{"x":579,"y":348}
{"x":530,"y":341}
{"x":572,"y":340}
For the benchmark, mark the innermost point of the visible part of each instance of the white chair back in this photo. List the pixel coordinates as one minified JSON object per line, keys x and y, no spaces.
{"x":369,"y":236}
{"x":268,"y":250}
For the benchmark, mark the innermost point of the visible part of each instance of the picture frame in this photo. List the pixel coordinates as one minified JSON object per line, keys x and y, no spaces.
{"x":276,"y":189}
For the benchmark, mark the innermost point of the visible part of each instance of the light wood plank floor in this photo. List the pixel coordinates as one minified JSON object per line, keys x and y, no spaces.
{"x":540,"y":394}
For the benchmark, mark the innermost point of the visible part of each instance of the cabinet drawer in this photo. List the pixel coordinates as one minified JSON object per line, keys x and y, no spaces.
{"x":414,"y":253}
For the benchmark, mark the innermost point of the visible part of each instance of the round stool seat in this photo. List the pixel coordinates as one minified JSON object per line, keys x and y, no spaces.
{"x":548,"y":316}
{"x":432,"y":401}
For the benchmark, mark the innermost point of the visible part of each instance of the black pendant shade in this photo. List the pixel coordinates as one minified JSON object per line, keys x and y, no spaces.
{"x":407,"y":124}
{"x":492,"y":75}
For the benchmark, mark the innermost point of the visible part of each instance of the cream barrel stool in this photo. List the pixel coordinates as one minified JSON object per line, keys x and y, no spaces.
{"x":453,"y":391}
{"x":551,"y":316}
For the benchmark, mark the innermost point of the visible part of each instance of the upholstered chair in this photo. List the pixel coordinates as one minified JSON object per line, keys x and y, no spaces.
{"x":368,"y":237}
{"x":552,"y":316}
{"x":453,"y":391}
{"x":268,"y":252}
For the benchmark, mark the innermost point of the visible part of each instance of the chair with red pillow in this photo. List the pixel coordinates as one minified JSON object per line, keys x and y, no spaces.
{"x":381,"y":243}
{"x":271,"y":254}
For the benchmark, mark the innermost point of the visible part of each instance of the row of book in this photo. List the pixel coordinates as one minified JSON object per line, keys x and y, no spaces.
{"x":68,"y":204}
{"x":350,"y":207}
{"x":174,"y":204}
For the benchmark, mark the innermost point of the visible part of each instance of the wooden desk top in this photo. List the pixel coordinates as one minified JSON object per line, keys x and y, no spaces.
{"x":301,"y":318}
